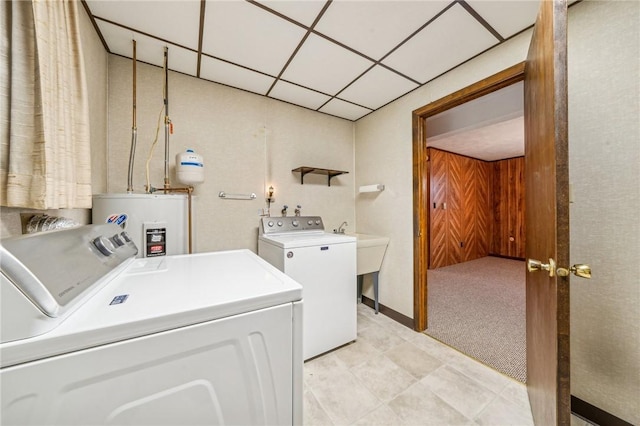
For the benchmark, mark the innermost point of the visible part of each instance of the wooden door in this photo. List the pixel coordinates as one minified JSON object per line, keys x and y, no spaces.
{"x":547,"y":215}
{"x":508,"y":208}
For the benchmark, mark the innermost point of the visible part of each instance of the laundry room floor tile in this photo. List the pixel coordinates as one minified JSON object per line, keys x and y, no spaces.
{"x":356,"y":353}
{"x":384,"y":378}
{"x":394,"y":376}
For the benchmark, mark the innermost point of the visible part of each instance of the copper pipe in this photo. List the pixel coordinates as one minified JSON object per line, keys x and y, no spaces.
{"x":134,"y":83}
{"x":167,"y":120}
{"x":188,"y":190}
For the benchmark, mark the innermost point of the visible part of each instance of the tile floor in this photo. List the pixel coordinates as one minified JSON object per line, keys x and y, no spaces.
{"x":394,"y":376}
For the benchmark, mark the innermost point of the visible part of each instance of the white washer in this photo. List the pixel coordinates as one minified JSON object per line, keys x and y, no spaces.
{"x":211,"y":338}
{"x":325,"y":265}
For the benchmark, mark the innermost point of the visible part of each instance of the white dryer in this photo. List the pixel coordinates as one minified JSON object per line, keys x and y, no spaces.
{"x":325,"y":265}
{"x":91,"y":335}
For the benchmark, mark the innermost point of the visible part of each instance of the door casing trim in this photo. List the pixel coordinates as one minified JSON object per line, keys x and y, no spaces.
{"x":483,"y":87}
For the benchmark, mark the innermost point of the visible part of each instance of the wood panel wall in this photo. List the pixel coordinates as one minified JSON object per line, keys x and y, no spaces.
{"x":476,"y":208}
{"x":508,"y":208}
{"x":460,"y":208}
{"x":438,"y":216}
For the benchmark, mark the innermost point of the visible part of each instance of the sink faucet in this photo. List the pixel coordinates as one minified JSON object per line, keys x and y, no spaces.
{"x":340,"y":229}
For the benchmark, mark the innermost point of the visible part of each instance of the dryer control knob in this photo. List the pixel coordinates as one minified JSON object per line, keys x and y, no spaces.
{"x":279,"y":223}
{"x":104,"y":246}
{"x":317,"y":222}
{"x":117,"y":240}
{"x":309,"y":222}
{"x":295,"y":223}
{"x":270,"y":223}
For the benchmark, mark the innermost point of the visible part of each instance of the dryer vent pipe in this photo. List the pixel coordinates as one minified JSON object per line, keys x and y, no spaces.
{"x":43,"y":222}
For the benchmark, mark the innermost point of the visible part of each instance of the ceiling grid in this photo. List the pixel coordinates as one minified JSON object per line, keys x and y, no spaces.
{"x":340,"y":57}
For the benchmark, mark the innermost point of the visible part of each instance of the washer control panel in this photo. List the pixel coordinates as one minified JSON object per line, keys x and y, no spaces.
{"x":57,"y":270}
{"x":284,"y":224}
{"x":108,"y":246}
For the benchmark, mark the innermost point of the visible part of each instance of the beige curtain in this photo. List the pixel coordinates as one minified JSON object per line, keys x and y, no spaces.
{"x":44,"y":114}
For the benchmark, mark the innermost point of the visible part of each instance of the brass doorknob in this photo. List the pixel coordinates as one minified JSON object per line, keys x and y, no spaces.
{"x":534,"y":265}
{"x":579,"y":270}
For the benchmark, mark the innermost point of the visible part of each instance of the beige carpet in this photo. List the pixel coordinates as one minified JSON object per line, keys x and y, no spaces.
{"x":478,"y":307}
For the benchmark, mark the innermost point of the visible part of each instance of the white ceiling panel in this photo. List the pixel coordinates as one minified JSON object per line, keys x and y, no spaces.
{"x":493,"y":142}
{"x":376,"y":27}
{"x":507,"y":17}
{"x":298,"y":95}
{"x":171,"y":20}
{"x":303,"y":11}
{"x":245,"y":34}
{"x":450,"y":40}
{"x":344,"y":109}
{"x":252,"y":44}
{"x":324,"y":66}
{"x":149,"y":50}
{"x":231,"y":75}
{"x":377,"y":87}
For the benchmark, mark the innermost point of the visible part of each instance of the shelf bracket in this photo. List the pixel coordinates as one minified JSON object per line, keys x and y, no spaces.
{"x":302,"y":173}
{"x":331,"y":176}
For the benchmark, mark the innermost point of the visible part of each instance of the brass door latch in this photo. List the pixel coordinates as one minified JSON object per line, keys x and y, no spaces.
{"x":579,"y":270}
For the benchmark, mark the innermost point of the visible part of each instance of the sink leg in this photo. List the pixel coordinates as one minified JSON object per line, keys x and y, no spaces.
{"x":375,"y":289}
{"x":360,"y":288}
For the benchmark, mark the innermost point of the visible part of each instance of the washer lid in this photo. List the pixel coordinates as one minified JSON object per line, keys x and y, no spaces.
{"x":158,"y":294}
{"x":301,"y":239}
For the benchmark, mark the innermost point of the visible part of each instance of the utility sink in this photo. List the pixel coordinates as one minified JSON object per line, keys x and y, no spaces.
{"x":370,"y":252}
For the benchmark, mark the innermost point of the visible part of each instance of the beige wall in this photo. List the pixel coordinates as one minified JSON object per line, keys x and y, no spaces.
{"x":604,"y":137}
{"x":604,"y":162}
{"x":95,"y":59}
{"x":384,"y":155}
{"x":248,"y":143}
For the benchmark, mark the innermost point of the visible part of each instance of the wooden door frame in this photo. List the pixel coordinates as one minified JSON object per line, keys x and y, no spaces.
{"x":483,"y":87}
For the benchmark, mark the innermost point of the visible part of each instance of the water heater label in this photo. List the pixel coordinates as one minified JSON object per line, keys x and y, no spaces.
{"x":156,"y":241}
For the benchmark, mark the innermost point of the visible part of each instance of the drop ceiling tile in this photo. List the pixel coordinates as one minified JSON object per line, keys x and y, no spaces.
{"x":149,"y":50}
{"x":451,"y":39}
{"x":376,"y":27}
{"x":177,"y":21}
{"x":303,"y":11}
{"x":344,"y":109}
{"x":232,"y":75}
{"x":247,"y":35}
{"x":377,"y":87}
{"x":298,"y":95}
{"x":507,"y":17}
{"x":324,"y":66}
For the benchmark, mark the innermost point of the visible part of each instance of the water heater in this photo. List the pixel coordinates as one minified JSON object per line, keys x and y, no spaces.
{"x":157,"y":223}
